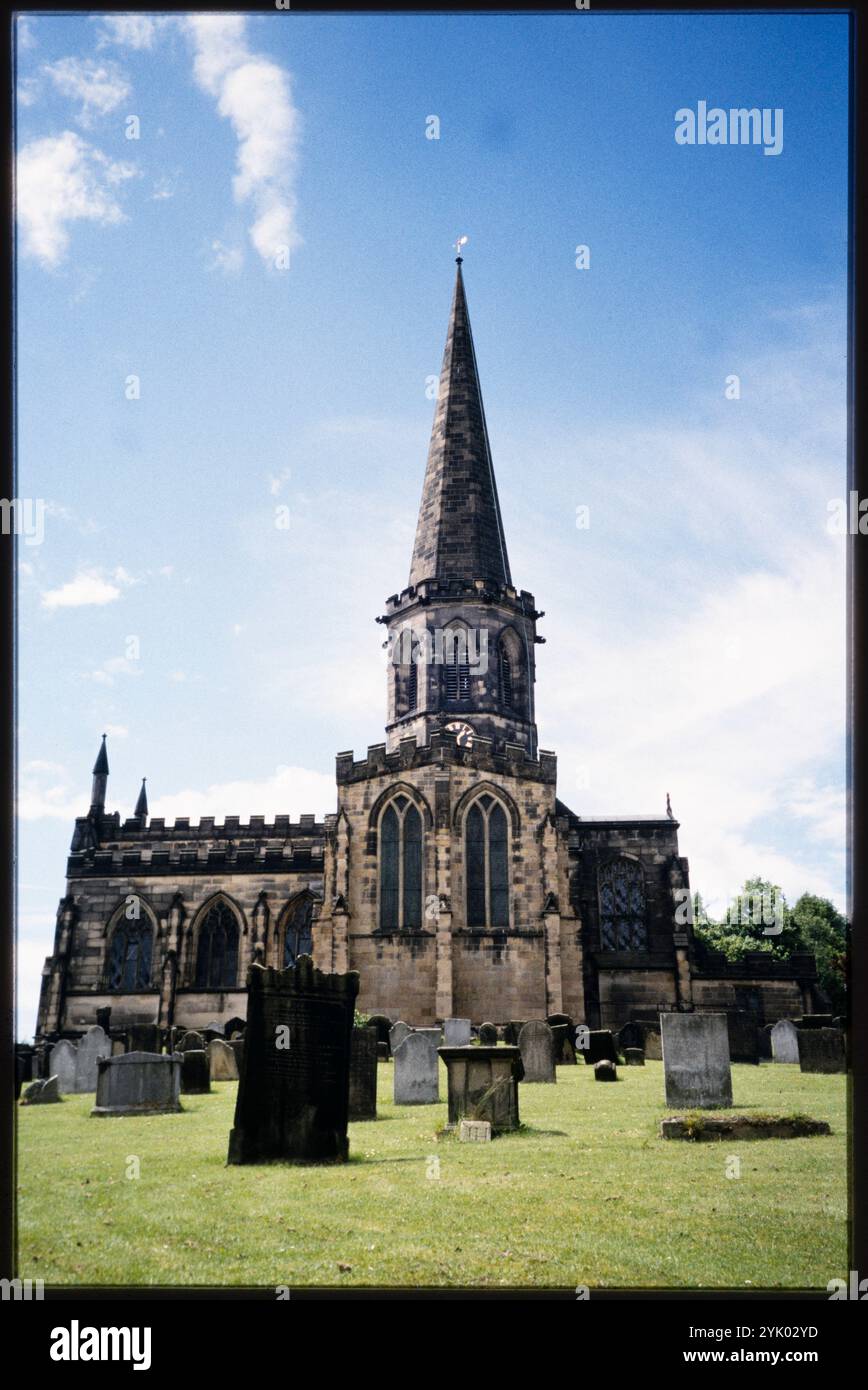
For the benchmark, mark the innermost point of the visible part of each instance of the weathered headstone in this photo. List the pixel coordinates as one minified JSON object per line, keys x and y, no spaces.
{"x":233,"y":1026}
{"x":600,"y":1047}
{"x":821,"y":1050}
{"x":696,"y":1061}
{"x":221,"y":1059}
{"x":381,"y":1025}
{"x":104,"y":1018}
{"x":511,"y":1031}
{"x":487,"y":1035}
{"x":61,"y":1063}
{"x":190,"y":1042}
{"x":41,"y":1092}
{"x":195,"y":1073}
{"x":785,"y":1041}
{"x":397,"y":1033}
{"x":537,"y":1051}
{"x":457,"y":1032}
{"x":416,"y":1071}
{"x":742,"y":1030}
{"x":138,"y":1083}
{"x":605,"y":1071}
{"x":293,"y":1092}
{"x":653,"y":1044}
{"x":634,"y":1057}
{"x":563,"y":1047}
{"x":764,"y":1042}
{"x":237,"y":1045}
{"x":434,"y":1035}
{"x":483,"y":1084}
{"x":212,"y":1030}
{"x":92,"y":1049}
{"x":144,"y":1037}
{"x":631,"y":1035}
{"x":363,"y":1074}
{"x":474,"y":1132}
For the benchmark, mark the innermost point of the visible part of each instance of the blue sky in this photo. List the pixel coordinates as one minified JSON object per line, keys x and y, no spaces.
{"x":695,"y":635}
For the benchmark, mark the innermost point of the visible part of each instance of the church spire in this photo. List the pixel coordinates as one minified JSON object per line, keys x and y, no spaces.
{"x":100,"y":779}
{"x":142,"y":804}
{"x":459,"y":534}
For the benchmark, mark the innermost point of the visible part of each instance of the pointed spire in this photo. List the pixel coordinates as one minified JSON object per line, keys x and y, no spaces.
{"x":459,"y":534}
{"x":100,"y":779}
{"x":142,"y":803}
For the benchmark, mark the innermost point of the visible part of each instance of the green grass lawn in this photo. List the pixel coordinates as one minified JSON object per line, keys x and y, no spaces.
{"x":587,"y":1193}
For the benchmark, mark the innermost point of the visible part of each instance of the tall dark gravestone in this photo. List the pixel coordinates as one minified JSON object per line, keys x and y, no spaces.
{"x":363,"y":1074}
{"x":293,"y":1088}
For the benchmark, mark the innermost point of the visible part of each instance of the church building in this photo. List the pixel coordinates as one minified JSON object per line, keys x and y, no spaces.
{"x":450,"y":876}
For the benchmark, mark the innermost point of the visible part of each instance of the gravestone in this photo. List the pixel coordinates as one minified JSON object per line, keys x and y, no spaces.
{"x":363,"y":1074}
{"x":104,"y":1018}
{"x":605,"y":1071}
{"x":483,"y":1085}
{"x":653,"y":1044}
{"x":41,"y":1092}
{"x":600,"y":1047}
{"x":190,"y":1042}
{"x":512,"y":1030}
{"x":138,"y":1083}
{"x":785,"y":1041}
{"x":434,"y":1035}
{"x":634,"y":1057}
{"x":213,"y":1030}
{"x":474,"y":1132}
{"x":221,"y":1060}
{"x":821,"y":1050}
{"x":233,"y":1026}
{"x":384,"y":1052}
{"x":696,"y":1061}
{"x":144,"y":1037}
{"x":742,"y":1030}
{"x":61,"y":1063}
{"x":195,"y":1073}
{"x":397,"y":1033}
{"x":563,"y":1048}
{"x":556,"y":1020}
{"x":381,"y":1025}
{"x":417,"y":1078}
{"x":293,"y":1091}
{"x":457,"y":1032}
{"x":92,"y":1048}
{"x":487,"y":1035}
{"x":537,"y":1052}
{"x":631,"y":1035}
{"x":764,"y":1042}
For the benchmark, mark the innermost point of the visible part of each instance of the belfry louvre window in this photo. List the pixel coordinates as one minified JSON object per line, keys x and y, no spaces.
{"x":486,"y":843}
{"x":401,"y":866}
{"x":413,"y":685}
{"x":217,"y":955}
{"x":129,"y":964}
{"x":299,"y":936}
{"x":623,"y":913}
{"x":456,"y":668}
{"x":505,"y":668}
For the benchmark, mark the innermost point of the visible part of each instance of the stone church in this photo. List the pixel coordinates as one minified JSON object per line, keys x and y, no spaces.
{"x":450,"y":876}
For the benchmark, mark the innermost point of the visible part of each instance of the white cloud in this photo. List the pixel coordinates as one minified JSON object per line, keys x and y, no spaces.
{"x":63,"y":179}
{"x":24,"y":33}
{"x":135,"y":31}
{"x":292,"y":791}
{"x":115,"y":666}
{"x":229,"y":259}
{"x":253,"y":93}
{"x":28,"y":91}
{"x":99,"y":87}
{"x":84,"y":590}
{"x":117,"y":730}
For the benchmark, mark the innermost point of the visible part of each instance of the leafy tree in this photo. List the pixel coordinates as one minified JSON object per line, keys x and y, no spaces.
{"x":824,"y":932}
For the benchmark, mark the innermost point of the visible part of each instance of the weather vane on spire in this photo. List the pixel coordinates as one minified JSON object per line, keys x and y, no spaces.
{"x":462,"y":241}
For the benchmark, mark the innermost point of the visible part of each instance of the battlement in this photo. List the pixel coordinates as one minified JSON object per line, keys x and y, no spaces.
{"x":245,"y":856}
{"x":505,"y":760}
{"x":430,"y":591}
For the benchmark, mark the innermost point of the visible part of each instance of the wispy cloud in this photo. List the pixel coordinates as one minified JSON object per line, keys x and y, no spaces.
{"x":62,"y":179}
{"x":136,"y":31}
{"x":98,"y":87}
{"x":86,"y":589}
{"x":253,"y":93}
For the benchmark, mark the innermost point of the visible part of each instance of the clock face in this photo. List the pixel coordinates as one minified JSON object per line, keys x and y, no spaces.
{"x":463,"y":733}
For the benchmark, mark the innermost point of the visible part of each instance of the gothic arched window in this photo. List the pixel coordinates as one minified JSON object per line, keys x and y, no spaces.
{"x":456,"y":665}
{"x":129,"y":962}
{"x":623,"y":920}
{"x":486,"y":840}
{"x":298,"y":940}
{"x":400,"y":866}
{"x":217,"y":953}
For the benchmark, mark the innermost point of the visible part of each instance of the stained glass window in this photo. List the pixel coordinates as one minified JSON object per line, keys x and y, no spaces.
{"x":217,"y":955}
{"x":623,"y":917}
{"x":401,"y":866}
{"x":298,"y":940}
{"x":486,"y":841}
{"x":129,"y":965}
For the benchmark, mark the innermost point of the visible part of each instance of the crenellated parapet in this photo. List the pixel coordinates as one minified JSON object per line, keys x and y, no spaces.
{"x":444,"y":750}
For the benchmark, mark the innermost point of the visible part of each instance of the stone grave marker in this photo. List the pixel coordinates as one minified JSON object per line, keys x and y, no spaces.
{"x":653,"y":1043}
{"x":696,"y":1061}
{"x":92,"y":1049}
{"x":537,"y":1052}
{"x":293,"y":1091}
{"x":190,"y":1042}
{"x":397,"y":1033}
{"x":363,"y":1074}
{"x":195,"y":1073}
{"x":563,"y":1046}
{"x":785,"y":1041}
{"x":601,"y":1047}
{"x":417,"y":1078}
{"x":605,"y":1071}
{"x":821,"y":1050}
{"x":743,"y":1032}
{"x":41,"y":1092}
{"x":61,"y":1063}
{"x":487,"y":1035}
{"x":631,"y":1035}
{"x":138,"y":1083}
{"x":634,"y":1057}
{"x":483,"y":1084}
{"x":457,"y":1032}
{"x":474,"y":1132}
{"x":221,"y":1060}
{"x":144,"y":1037}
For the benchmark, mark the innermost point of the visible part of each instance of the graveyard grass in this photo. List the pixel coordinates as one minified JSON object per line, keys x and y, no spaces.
{"x":586,"y":1194}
